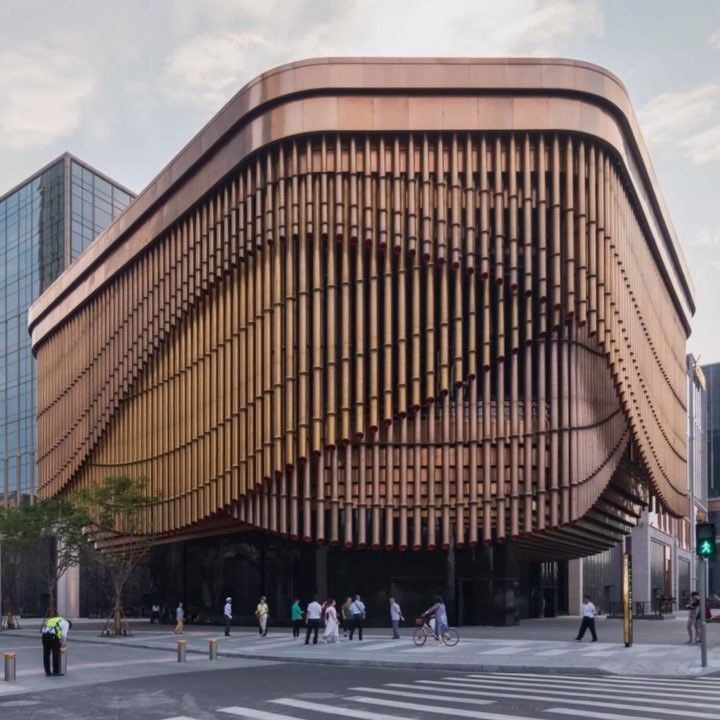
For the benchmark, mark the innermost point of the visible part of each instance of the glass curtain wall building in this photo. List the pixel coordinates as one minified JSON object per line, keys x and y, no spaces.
{"x":45,"y":223}
{"x":712,"y":379}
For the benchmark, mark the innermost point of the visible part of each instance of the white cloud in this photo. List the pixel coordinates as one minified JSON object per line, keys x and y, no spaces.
{"x":703,"y":147}
{"x":706,"y":238}
{"x":42,"y":91}
{"x":212,"y":66}
{"x":671,"y":114}
{"x":207,"y":67}
{"x":685,"y":119}
{"x":715,"y":39}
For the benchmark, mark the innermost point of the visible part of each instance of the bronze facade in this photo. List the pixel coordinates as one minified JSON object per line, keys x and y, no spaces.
{"x":399,"y":304}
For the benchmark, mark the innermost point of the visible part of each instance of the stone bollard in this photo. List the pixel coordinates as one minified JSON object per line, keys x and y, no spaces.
{"x":9,"y":666}
{"x":63,"y":660}
{"x":182,"y":651}
{"x":213,"y":648}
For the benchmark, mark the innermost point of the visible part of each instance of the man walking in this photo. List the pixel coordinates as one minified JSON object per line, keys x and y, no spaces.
{"x":227,"y":614}
{"x":54,"y":635}
{"x":588,"y":619}
{"x":395,"y":618}
{"x":179,"y":619}
{"x":312,"y":618}
{"x":358,"y":616}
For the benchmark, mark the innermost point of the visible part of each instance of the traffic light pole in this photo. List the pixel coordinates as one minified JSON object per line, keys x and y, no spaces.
{"x":702,"y":590}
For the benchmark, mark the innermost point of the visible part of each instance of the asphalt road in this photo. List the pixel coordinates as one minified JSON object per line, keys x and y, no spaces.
{"x":306,"y":691}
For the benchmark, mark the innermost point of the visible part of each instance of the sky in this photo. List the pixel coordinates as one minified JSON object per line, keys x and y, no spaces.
{"x":125,"y":85}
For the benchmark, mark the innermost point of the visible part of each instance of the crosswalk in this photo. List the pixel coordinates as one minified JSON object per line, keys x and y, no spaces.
{"x":500,"y":696}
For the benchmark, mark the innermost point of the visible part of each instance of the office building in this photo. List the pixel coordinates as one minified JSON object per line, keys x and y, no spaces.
{"x":46,"y":222}
{"x":387,"y":326}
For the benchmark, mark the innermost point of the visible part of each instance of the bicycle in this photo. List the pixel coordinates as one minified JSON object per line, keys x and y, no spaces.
{"x":449,"y":638}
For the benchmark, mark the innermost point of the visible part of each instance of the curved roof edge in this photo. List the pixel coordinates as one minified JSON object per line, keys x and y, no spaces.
{"x":328,"y":76}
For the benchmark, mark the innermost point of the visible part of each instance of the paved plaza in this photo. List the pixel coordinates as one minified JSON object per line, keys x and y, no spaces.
{"x":540,"y":646}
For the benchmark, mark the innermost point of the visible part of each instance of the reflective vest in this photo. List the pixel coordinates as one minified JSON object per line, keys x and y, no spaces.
{"x":52,"y":627}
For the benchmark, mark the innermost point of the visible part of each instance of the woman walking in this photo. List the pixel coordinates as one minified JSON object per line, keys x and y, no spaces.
{"x":332,"y":629}
{"x":296,"y":617}
{"x":261,"y":613}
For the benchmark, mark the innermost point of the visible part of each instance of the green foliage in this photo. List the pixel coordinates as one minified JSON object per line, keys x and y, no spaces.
{"x":53,"y":528}
{"x":116,"y":510}
{"x":117,"y":505}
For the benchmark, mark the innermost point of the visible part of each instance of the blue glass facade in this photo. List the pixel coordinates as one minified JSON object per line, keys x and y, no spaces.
{"x":45,"y":223}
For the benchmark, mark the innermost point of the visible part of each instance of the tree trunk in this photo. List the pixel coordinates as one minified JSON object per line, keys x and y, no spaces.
{"x":51,"y":610}
{"x":117,"y":618}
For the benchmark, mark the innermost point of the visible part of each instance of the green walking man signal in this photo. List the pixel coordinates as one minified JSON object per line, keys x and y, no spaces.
{"x":705,"y":539}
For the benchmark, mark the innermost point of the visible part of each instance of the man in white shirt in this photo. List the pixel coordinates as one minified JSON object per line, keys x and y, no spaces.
{"x":312,"y":618}
{"x":358,"y":614}
{"x":588,"y":619}
{"x":227,"y":614}
{"x":395,"y":618}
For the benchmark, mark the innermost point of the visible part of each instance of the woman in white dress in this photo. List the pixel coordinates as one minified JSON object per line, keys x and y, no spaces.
{"x":332,"y":628}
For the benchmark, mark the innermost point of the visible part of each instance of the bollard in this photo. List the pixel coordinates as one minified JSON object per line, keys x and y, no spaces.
{"x":63,"y":660}
{"x":213,"y":647}
{"x":182,"y":650}
{"x":9,"y":666}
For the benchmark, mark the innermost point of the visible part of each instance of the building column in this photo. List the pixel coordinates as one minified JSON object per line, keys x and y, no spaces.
{"x":68,"y":593}
{"x":640,"y":544}
{"x":575,"y":586}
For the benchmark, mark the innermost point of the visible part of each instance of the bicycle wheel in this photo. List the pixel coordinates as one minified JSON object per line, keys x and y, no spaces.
{"x":419,"y":636}
{"x":450,"y":637}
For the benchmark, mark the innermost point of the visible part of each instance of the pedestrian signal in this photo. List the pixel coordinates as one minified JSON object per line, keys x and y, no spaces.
{"x":705,"y":539}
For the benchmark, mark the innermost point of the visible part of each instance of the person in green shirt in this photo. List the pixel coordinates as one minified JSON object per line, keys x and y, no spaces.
{"x":296,"y":617}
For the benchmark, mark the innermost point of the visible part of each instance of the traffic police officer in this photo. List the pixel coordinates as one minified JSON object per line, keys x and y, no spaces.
{"x":54,"y":634}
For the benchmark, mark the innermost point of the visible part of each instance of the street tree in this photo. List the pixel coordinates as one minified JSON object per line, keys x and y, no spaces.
{"x":52,"y":530}
{"x":16,"y":543}
{"x":117,"y":510}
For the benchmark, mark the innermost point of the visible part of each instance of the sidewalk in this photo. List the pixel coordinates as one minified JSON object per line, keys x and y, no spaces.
{"x":544,"y":646}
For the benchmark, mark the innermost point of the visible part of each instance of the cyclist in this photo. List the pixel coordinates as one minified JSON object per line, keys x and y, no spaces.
{"x":438,"y":612}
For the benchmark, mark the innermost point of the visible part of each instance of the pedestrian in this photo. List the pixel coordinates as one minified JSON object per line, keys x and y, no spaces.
{"x":395,"y":617}
{"x":54,"y":634}
{"x":227,"y":614}
{"x":261,"y":613}
{"x":693,"y":618}
{"x":358,"y":617}
{"x":332,"y":629}
{"x":588,"y":619}
{"x":312,"y":618}
{"x":346,"y":616}
{"x":155,"y":614}
{"x":179,"y":619}
{"x":296,"y":617}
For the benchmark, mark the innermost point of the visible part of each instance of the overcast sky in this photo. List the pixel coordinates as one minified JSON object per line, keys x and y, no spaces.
{"x":124,"y":85}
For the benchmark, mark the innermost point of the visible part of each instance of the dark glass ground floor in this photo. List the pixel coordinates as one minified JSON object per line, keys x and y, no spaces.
{"x":482,"y":586}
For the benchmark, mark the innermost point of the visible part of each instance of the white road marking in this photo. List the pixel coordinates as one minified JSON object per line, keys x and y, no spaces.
{"x":454,"y":712}
{"x":254,"y":714}
{"x":517,"y":694}
{"x":601,"y":715}
{"x":418,"y":695}
{"x":337,"y":710}
{"x":380,"y":646}
{"x":586,"y":687}
{"x":503,"y":651}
